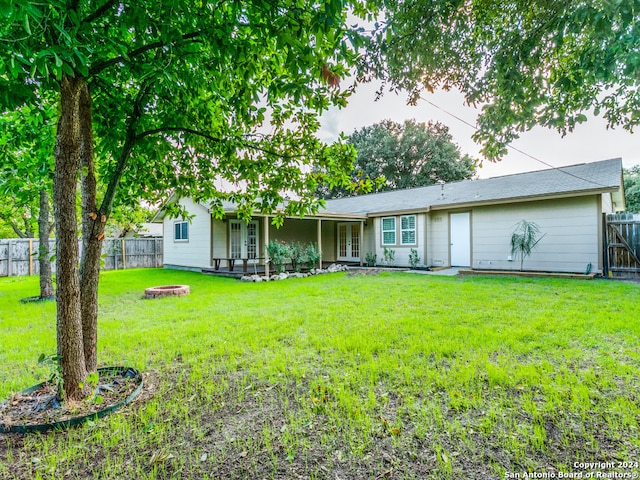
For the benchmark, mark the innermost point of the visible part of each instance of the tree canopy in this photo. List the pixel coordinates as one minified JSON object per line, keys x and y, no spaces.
{"x":525,"y":63}
{"x":26,"y":164}
{"x":188,"y":90}
{"x":632,"y":188}
{"x":404,"y":155}
{"x":166,"y":96}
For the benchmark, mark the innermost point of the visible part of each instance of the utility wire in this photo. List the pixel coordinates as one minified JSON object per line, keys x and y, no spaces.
{"x":514,"y":148}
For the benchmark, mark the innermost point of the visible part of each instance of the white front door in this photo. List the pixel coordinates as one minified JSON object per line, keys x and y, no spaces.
{"x":243,"y":239}
{"x":349,"y":242}
{"x":460,"y":239}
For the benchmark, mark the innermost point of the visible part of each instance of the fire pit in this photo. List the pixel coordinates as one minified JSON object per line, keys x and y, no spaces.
{"x":166,"y":290}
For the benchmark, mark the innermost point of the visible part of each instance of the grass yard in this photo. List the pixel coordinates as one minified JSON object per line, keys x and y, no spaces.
{"x":344,"y":377}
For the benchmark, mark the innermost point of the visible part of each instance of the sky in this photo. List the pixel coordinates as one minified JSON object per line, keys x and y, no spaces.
{"x":589,"y":142}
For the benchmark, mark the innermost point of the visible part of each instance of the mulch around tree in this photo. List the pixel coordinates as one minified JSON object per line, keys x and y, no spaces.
{"x":41,"y":406}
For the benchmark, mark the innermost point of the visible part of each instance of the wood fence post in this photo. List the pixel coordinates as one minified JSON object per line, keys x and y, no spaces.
{"x":124,"y":257}
{"x":605,"y":247}
{"x":9,"y":259}
{"x":31,"y":256}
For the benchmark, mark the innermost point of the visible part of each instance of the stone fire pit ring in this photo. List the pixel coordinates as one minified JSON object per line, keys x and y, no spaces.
{"x":166,"y":291}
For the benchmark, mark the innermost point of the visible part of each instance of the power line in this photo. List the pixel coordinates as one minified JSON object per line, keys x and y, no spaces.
{"x":512,"y":147}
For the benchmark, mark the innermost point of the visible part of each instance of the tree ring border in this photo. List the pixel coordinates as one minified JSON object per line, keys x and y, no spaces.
{"x":72,"y":422}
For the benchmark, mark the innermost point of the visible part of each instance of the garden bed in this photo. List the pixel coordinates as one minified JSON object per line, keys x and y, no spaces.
{"x":517,"y":273}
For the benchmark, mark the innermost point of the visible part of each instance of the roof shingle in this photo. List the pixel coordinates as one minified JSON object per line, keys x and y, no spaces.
{"x":584,"y":178}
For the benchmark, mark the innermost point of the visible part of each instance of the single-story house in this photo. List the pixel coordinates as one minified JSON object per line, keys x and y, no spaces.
{"x":466,"y":224}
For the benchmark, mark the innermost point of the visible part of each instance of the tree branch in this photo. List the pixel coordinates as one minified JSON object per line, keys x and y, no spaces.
{"x":156,"y":131}
{"x":100,"y":66}
{"x":129,"y":143}
{"x":211,"y":138}
{"x":17,"y":230}
{"x":100,"y":11}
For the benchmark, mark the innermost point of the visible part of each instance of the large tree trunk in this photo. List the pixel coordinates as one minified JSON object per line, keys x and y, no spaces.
{"x":46,"y":278}
{"x":93,"y":223}
{"x":67,"y":166}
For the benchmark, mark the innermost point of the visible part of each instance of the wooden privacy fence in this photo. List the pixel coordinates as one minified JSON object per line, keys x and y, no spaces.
{"x":20,"y":256}
{"x":121,"y":253}
{"x":622,"y":245}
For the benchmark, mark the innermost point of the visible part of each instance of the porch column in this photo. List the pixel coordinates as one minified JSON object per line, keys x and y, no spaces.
{"x":266,"y":243}
{"x":320,"y":240}
{"x":361,"y":241}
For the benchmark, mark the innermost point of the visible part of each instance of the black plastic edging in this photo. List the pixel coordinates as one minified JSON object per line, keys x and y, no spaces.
{"x":72,"y":422}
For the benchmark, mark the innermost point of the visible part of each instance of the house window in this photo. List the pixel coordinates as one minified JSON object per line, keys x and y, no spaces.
{"x":408,"y":230}
{"x":181,"y":231}
{"x":389,"y":231}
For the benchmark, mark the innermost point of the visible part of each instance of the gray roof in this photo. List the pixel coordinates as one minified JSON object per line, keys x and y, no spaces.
{"x":579,"y":179}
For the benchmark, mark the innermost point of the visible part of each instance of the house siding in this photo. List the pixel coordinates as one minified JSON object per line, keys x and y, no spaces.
{"x":369,"y":240}
{"x":329,"y":249}
{"x":295,"y":230}
{"x":194,"y":253}
{"x":438,"y":239}
{"x":607,"y":203}
{"x":219,"y":235}
{"x":571,"y":229}
{"x":402,"y":252}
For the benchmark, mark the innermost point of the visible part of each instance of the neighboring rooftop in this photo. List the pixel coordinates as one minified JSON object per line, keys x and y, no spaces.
{"x":581,"y":179}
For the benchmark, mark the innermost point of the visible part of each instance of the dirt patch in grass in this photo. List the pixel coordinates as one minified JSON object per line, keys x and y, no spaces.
{"x":236,"y":425}
{"x":353,"y":271}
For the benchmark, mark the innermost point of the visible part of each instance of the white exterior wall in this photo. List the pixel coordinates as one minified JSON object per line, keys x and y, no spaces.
{"x":196,"y":251}
{"x":571,"y":242}
{"x":402,"y":252}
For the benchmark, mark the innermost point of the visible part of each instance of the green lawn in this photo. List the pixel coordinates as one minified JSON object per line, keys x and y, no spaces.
{"x":343,"y":376}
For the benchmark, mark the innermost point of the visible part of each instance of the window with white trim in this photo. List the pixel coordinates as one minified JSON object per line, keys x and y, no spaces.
{"x":389,"y":231}
{"x":408,"y":230}
{"x":181,"y":231}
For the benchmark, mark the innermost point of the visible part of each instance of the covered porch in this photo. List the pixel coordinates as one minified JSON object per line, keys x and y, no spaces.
{"x":240,"y":248}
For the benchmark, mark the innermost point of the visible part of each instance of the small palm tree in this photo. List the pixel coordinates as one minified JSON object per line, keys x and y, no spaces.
{"x":524,"y":239}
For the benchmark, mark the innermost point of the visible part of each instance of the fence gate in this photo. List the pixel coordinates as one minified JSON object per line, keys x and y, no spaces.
{"x":622,"y":245}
